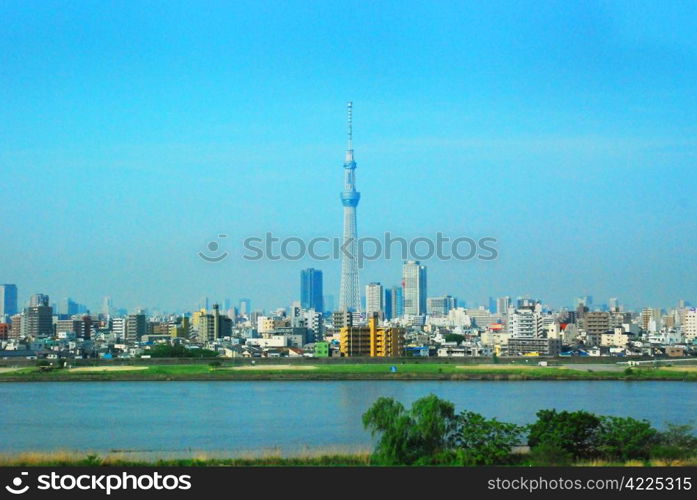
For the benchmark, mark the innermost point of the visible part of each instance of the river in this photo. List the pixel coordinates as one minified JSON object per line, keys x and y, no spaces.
{"x":251,"y":418}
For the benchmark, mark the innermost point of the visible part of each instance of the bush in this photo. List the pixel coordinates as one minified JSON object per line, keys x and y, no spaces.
{"x":481,"y":441}
{"x":549,"y":454}
{"x":677,"y":442}
{"x":625,"y":438}
{"x":574,"y":432}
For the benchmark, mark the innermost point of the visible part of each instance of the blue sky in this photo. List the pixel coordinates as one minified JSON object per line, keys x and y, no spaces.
{"x":131,"y":133}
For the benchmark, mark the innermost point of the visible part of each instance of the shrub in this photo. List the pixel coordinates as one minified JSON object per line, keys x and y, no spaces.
{"x":481,"y":441}
{"x":575,"y":432}
{"x":625,"y":438}
{"x":548,"y":453}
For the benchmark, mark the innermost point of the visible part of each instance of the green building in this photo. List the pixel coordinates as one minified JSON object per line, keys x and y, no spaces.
{"x":321,"y":349}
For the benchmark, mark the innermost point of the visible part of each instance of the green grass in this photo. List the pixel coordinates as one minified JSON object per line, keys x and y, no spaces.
{"x":358,"y":371}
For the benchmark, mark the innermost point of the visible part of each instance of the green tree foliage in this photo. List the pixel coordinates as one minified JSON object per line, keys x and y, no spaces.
{"x":430,"y":433}
{"x":625,"y":438}
{"x":481,"y":441}
{"x":675,"y":443}
{"x":420,"y":435}
{"x":575,"y":432}
{"x":179,"y":351}
{"x":550,"y":454}
{"x":454,"y":337}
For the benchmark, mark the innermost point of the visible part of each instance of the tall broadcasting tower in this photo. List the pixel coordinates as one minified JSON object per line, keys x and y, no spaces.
{"x":349,"y":295}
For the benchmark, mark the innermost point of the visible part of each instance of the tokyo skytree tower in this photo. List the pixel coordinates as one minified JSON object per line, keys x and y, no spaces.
{"x":349,"y":295}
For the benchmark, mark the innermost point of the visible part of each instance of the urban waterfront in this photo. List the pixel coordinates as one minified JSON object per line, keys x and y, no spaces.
{"x":254,"y":418}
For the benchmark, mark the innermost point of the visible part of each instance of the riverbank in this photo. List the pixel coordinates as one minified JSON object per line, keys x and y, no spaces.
{"x":344,"y":371}
{"x":65,"y":459}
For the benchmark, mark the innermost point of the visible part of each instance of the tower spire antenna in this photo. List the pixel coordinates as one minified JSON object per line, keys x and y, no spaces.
{"x":349,"y":293}
{"x":349,"y":150}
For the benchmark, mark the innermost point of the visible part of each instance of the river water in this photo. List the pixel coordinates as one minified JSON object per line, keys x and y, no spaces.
{"x":252,"y":418}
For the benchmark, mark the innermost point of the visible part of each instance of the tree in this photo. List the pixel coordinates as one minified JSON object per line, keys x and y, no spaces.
{"x":625,"y":438}
{"x":676,"y":443}
{"x":418,"y":436}
{"x":454,"y":337}
{"x":481,"y":441}
{"x":575,"y":432}
{"x":430,"y":433}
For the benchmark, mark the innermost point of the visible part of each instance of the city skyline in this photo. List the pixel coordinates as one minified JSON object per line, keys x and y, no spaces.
{"x":568,"y":135}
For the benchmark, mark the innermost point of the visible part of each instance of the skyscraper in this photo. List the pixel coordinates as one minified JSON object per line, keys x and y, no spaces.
{"x":311,"y":289}
{"x":374,"y":299}
{"x":414,"y":283}
{"x":440,"y":306}
{"x":38,"y":299}
{"x":397,"y":297}
{"x":245,"y":306}
{"x":502,"y":305}
{"x":388,"y":303}
{"x":38,"y":317}
{"x":349,"y":294}
{"x":8,"y":300}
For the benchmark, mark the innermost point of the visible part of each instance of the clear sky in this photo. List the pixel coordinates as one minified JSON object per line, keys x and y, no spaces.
{"x":132,"y":133}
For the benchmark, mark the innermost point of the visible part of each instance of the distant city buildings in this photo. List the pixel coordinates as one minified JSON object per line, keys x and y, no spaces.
{"x":38,"y":318}
{"x":372,"y":340}
{"x":440,"y":306}
{"x":374,"y":300}
{"x":311,"y":289}
{"x":8,"y":300}
{"x":414,"y":282}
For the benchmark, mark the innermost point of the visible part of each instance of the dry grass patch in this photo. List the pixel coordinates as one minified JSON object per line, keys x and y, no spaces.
{"x":273,"y":367}
{"x":106,"y":369}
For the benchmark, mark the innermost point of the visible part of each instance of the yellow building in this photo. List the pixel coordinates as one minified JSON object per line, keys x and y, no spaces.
{"x":372,"y":340}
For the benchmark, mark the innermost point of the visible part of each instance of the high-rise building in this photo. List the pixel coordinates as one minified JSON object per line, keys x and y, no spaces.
{"x":440,"y":306}
{"x":16,"y":326}
{"x":8,"y":300}
{"x":38,"y":299}
{"x":38,"y":319}
{"x":596,"y":323}
{"x":374,"y":299}
{"x":212,"y":327}
{"x":388,"y":303}
{"x":135,"y":327}
{"x":414,"y":283}
{"x":349,"y":293}
{"x":689,"y":326}
{"x":371,"y":340}
{"x":67,"y":307}
{"x":397,"y":301}
{"x":118,"y":327}
{"x":107,"y":307}
{"x":502,"y":305}
{"x":245,"y":307}
{"x":522,"y":323}
{"x":311,"y":296}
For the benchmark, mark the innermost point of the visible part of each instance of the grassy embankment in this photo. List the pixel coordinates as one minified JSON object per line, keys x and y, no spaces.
{"x":58,"y":459}
{"x":328,"y":371}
